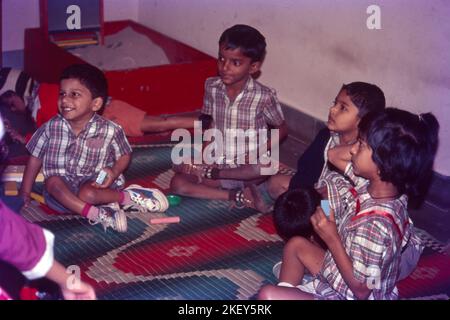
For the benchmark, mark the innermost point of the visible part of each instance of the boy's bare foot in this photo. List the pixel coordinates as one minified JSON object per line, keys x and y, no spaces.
{"x":197,"y":170}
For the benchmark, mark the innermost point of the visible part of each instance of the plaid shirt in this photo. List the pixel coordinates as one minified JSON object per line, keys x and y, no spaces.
{"x":256,"y":107}
{"x":326,"y":170}
{"x":370,"y":240}
{"x":98,"y":146}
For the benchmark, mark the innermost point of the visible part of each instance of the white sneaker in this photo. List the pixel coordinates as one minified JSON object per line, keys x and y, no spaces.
{"x":146,"y":199}
{"x":276,"y":269}
{"x":112,"y":216}
{"x":307,"y":277}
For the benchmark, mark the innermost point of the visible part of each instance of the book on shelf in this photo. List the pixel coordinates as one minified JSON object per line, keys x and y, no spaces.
{"x":73,"y":39}
{"x":15,"y":173}
{"x":75,"y":43}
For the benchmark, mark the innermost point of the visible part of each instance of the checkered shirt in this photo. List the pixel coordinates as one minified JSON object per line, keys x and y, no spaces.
{"x":255,"y":108}
{"x":327,"y":170}
{"x":63,"y":153}
{"x":371,"y":241}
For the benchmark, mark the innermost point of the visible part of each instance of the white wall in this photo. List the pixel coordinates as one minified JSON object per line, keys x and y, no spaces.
{"x":19,"y":15}
{"x":120,"y":10}
{"x":316,"y":45}
{"x":313,"y":46}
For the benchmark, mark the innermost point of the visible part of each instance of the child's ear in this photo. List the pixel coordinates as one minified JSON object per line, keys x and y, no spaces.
{"x":255,"y":67}
{"x":97,"y":104}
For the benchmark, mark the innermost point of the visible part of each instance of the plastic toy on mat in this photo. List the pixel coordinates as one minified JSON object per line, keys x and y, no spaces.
{"x":174,"y":200}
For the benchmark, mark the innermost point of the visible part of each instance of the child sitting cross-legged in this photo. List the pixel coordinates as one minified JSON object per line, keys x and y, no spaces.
{"x":366,"y":234}
{"x":28,"y":248}
{"x":75,"y":146}
{"x":234,"y":102}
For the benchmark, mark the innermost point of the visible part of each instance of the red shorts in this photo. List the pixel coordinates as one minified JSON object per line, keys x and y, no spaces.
{"x":127,"y":116}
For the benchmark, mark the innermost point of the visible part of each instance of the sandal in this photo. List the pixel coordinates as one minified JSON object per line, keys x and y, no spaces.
{"x":248,"y":198}
{"x":239,"y":199}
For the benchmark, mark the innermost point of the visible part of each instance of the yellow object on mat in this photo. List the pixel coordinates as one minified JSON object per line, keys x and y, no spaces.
{"x":37,"y":197}
{"x":11,"y":188}
{"x":15,"y":173}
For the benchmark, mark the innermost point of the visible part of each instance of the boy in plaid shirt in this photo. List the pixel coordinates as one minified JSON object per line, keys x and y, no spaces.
{"x":28,"y":248}
{"x":75,"y":145}
{"x":234,"y":101}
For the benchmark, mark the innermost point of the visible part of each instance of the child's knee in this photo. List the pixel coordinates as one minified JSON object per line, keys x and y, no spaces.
{"x":179,"y":184}
{"x":54,"y":185}
{"x":276,"y":185}
{"x":266,"y":292}
{"x":87,"y":195}
{"x":295,"y":245}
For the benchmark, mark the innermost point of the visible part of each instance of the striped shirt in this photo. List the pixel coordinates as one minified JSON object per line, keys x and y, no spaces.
{"x":63,"y":153}
{"x":255,"y":108}
{"x":371,"y":241}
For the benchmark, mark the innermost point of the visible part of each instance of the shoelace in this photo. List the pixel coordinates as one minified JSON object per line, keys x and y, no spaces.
{"x":136,"y":197}
{"x":105,"y":220}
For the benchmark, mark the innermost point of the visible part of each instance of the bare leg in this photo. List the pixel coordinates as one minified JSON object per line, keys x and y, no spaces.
{"x":159,"y":124}
{"x":96,"y":196}
{"x":299,"y":253}
{"x":58,"y":189}
{"x":243,"y":172}
{"x":278,"y":184}
{"x":187,"y":185}
{"x":271,"y":292}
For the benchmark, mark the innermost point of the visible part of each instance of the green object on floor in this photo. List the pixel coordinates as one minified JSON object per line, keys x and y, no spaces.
{"x":173,"y":200}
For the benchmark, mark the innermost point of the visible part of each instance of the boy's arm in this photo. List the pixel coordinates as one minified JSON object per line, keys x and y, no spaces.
{"x":274,"y":143}
{"x":345,"y":266}
{"x":31,"y":170}
{"x":112,"y":173}
{"x":326,"y":229}
{"x":184,"y":122}
{"x":340,"y":156}
{"x":120,"y":165}
{"x":282,"y":134}
{"x":170,"y":122}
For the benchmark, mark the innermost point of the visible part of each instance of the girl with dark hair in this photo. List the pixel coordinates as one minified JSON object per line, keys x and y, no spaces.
{"x":367,"y":233}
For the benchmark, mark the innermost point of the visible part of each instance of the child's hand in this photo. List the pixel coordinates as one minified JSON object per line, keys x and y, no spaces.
{"x":109,"y":179}
{"x":26,"y":198}
{"x":83,"y":292}
{"x":323,"y":191}
{"x":323,"y":226}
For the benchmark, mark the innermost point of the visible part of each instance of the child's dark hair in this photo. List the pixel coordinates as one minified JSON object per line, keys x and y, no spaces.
{"x":366,"y":97}
{"x":403,"y":148}
{"x":8,"y":94}
{"x":293,"y":210}
{"x":89,"y":76}
{"x":249,"y":40}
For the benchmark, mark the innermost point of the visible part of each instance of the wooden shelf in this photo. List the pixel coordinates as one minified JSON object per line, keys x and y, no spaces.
{"x":53,"y":18}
